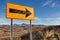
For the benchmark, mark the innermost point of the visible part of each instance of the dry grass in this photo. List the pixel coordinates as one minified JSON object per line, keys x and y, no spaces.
{"x":39,"y":33}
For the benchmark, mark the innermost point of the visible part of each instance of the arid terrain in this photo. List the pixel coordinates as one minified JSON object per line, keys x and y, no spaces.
{"x":21,"y":32}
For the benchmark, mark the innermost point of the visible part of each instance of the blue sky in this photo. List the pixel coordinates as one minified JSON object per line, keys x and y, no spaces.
{"x":46,"y":12}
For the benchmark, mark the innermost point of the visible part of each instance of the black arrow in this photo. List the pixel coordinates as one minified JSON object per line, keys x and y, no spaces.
{"x":27,"y":12}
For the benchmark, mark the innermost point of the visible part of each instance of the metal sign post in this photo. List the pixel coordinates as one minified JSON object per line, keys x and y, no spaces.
{"x":30,"y":30}
{"x":11,"y":30}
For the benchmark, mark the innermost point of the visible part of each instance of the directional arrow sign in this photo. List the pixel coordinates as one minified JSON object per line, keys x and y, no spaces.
{"x":16,"y":11}
{"x":27,"y":13}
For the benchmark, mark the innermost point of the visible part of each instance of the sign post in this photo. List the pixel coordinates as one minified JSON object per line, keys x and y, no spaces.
{"x":15,"y":11}
{"x":11,"y":30}
{"x":30,"y":28}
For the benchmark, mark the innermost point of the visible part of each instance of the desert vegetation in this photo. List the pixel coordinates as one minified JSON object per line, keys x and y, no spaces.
{"x":38,"y":32}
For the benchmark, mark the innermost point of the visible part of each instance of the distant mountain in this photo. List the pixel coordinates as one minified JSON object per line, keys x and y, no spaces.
{"x":16,"y":25}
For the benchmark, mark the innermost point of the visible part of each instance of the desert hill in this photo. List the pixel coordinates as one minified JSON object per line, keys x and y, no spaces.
{"x":40,"y":32}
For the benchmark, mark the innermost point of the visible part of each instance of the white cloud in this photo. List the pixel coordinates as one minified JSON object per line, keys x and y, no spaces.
{"x":42,"y":21}
{"x":46,"y":3}
{"x":37,"y":18}
{"x":47,"y":21}
{"x":52,"y":21}
{"x":4,"y":21}
{"x":37,"y":21}
{"x":51,"y":3}
{"x":54,"y":4}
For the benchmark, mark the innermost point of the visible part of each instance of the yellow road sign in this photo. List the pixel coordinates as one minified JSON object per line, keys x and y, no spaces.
{"x":16,"y":11}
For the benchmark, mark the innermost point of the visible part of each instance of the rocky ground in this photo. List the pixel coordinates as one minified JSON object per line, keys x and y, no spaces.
{"x":22,"y":32}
